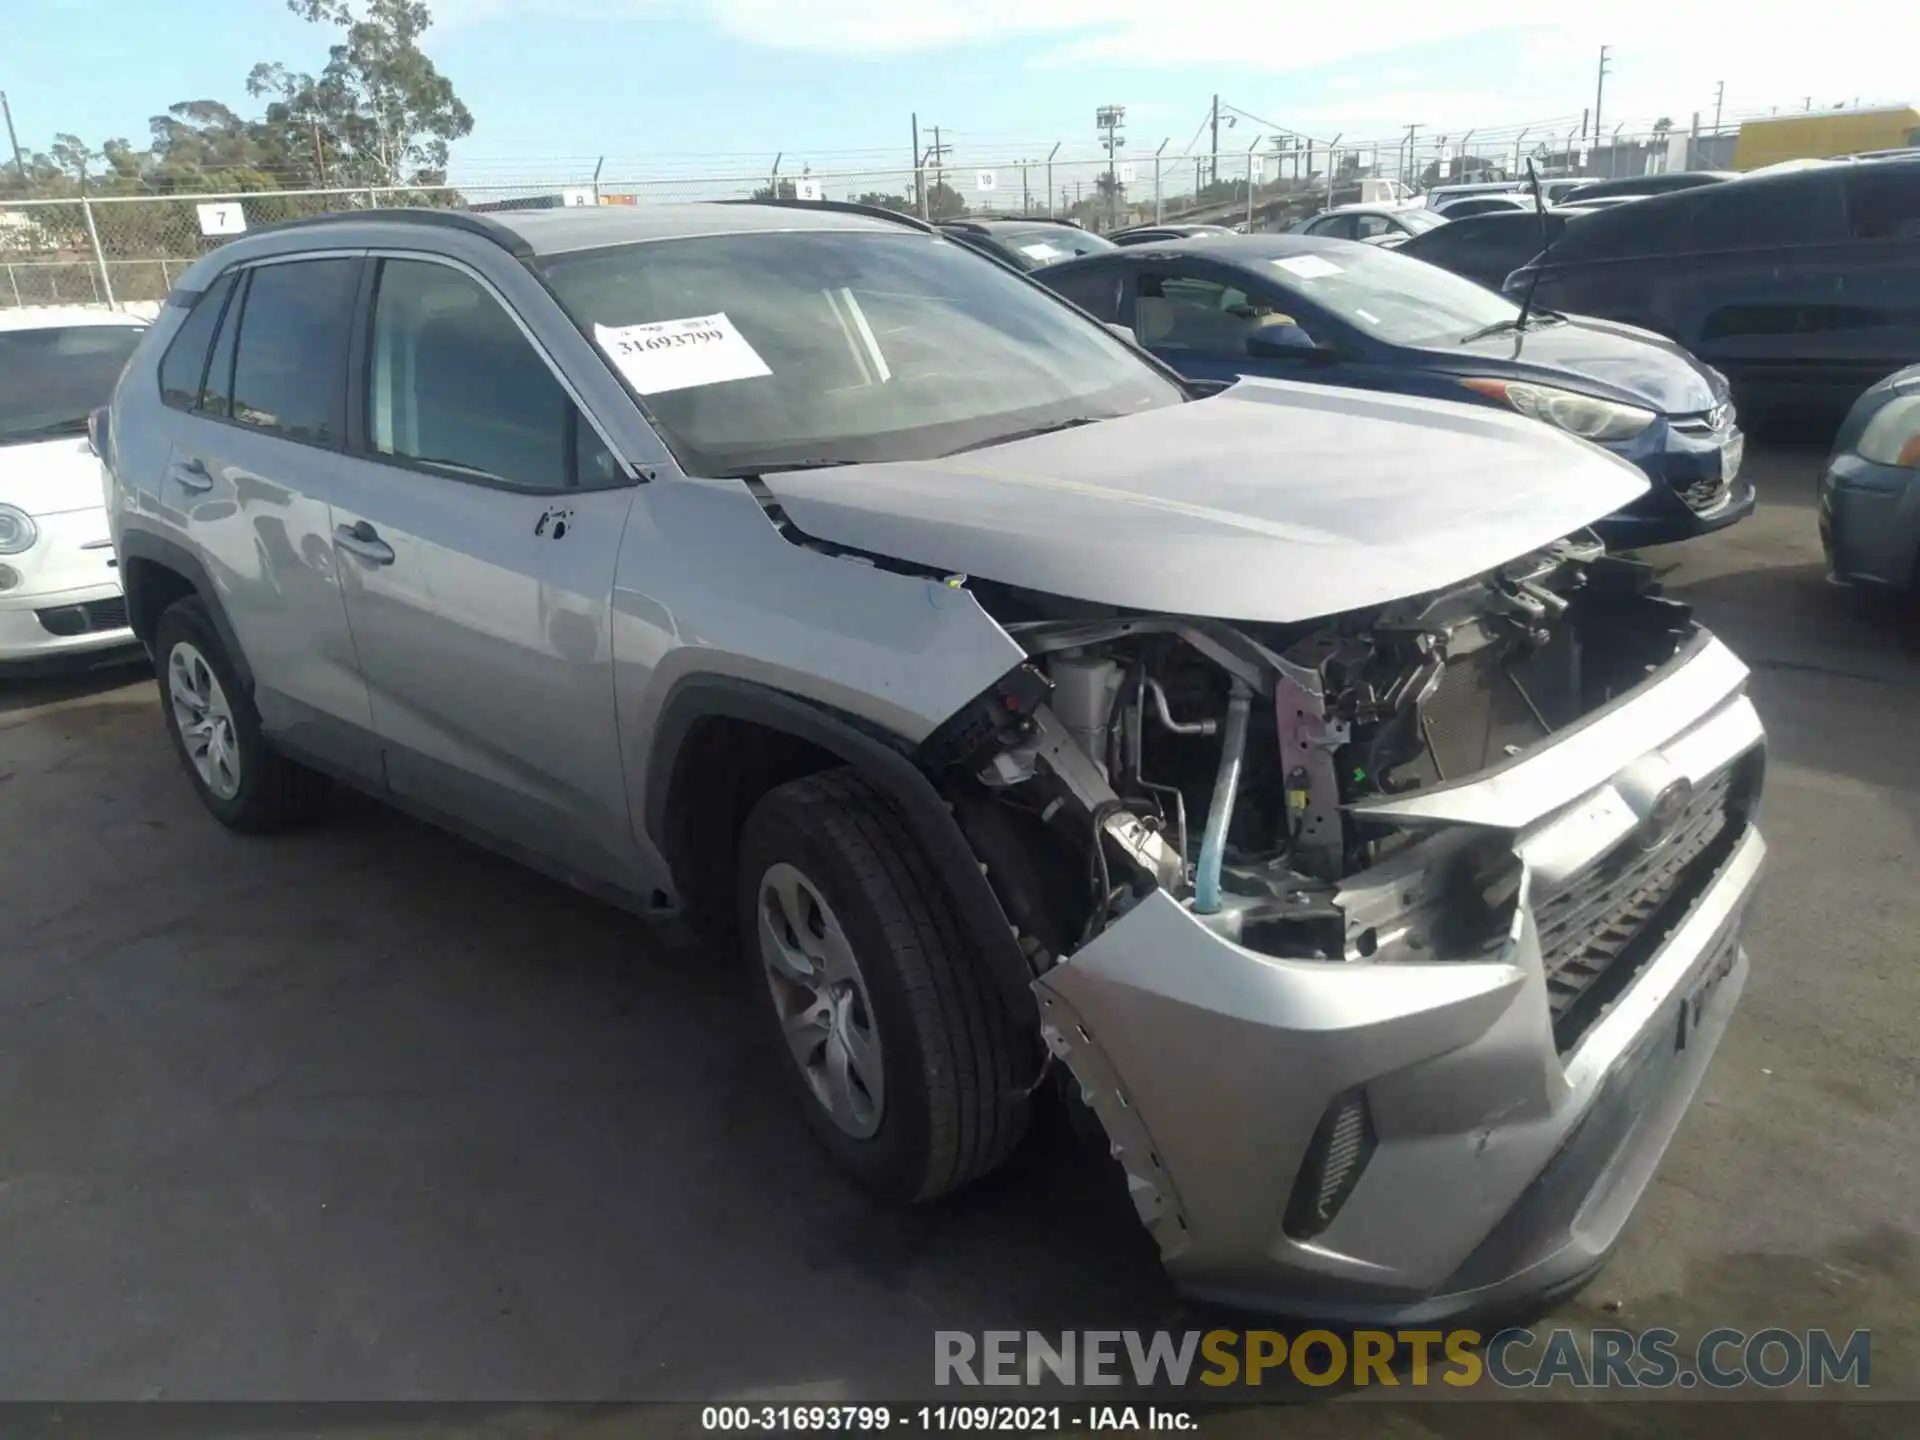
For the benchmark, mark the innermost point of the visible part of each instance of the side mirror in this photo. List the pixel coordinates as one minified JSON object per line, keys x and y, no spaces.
{"x":1122,"y":331}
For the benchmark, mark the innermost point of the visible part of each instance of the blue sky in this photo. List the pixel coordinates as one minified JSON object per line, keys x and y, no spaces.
{"x":645,"y":80}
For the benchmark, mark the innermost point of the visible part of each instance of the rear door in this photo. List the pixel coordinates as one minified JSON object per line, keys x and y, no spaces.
{"x":477,"y":539}
{"x":256,"y":383}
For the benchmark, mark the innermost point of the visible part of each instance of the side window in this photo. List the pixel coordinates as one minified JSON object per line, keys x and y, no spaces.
{"x":453,"y":383}
{"x":185,"y":362}
{"x":1748,"y":215}
{"x":1338,"y":226}
{"x":1367,"y":226}
{"x":1205,"y":317}
{"x":1883,"y":202}
{"x":289,"y":367}
{"x":1095,"y":290}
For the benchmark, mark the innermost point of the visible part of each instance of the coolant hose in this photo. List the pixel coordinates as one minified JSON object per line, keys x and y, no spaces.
{"x":1226,"y":784}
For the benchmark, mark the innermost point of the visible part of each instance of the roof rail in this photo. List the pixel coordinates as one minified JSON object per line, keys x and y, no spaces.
{"x":487,"y":229}
{"x":845,"y":207}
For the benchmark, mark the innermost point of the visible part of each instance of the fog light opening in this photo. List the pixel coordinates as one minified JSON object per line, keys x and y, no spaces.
{"x":1342,"y":1144}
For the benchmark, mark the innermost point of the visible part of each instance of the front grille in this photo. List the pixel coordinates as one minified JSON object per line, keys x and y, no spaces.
{"x":1707,"y":422}
{"x":93,"y":616}
{"x":1599,"y":927}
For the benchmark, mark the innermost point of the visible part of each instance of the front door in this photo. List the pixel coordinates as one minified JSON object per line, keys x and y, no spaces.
{"x":1201,"y":324}
{"x":478,"y":544}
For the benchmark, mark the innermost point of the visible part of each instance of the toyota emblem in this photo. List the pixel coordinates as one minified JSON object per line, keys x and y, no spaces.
{"x":1663,"y":816}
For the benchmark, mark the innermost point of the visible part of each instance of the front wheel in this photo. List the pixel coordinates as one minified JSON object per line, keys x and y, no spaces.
{"x":906,"y":1062}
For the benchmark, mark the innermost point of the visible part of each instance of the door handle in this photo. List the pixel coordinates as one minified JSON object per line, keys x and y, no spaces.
{"x":362,"y":540}
{"x":192,"y":475}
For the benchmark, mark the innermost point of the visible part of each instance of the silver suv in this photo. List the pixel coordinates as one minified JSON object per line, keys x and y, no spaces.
{"x":1284,"y":775}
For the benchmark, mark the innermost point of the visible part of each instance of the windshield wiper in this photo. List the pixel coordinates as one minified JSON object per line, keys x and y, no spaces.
{"x":75,"y":426}
{"x":1519,"y":322}
{"x":1011,"y":436}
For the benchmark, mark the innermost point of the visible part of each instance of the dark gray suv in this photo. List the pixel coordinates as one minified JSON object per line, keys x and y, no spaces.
{"x":1286,"y":774}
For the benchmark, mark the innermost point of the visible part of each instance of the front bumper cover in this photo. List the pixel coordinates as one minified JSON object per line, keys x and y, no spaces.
{"x":1503,"y":1170}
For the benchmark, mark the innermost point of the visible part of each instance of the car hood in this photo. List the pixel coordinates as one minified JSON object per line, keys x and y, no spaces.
{"x":1636,"y":364}
{"x":51,"y":477}
{"x":1270,"y":501}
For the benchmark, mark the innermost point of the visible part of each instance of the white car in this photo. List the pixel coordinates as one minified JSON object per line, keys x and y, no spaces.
{"x":59,"y":585}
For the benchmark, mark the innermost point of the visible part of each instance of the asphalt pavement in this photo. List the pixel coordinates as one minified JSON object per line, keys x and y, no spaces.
{"x":365,"y":1112}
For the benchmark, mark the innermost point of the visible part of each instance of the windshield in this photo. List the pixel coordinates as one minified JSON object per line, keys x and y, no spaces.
{"x":760,"y":351}
{"x":1046,"y":244}
{"x":1420,"y":221}
{"x":51,"y":378}
{"x":1394,"y":298}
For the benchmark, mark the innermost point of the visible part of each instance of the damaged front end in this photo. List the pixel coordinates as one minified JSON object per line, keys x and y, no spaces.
{"x":1387,"y":948}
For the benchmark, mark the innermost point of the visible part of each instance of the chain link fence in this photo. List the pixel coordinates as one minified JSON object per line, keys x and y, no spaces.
{"x":120,"y":250}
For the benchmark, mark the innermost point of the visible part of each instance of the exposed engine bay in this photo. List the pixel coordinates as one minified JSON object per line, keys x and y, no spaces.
{"x":1223,"y":763}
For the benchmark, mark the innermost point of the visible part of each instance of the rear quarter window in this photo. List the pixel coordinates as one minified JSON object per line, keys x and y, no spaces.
{"x":1753,"y":215}
{"x":1883,"y":201}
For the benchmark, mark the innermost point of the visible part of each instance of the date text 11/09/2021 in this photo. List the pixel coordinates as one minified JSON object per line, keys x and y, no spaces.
{"x":941,"y":1419}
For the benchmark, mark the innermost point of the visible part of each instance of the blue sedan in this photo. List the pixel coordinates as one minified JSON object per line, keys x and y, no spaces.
{"x":1332,"y":312}
{"x":1870,"y":489}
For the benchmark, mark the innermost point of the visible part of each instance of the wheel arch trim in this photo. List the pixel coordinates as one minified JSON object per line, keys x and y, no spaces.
{"x":697,"y":698}
{"x":170,"y":555}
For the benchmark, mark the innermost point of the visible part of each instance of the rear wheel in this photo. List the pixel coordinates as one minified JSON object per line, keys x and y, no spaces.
{"x":904,"y":1057}
{"x":216,"y":731}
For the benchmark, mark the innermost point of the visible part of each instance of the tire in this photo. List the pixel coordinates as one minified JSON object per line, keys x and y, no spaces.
{"x":951,"y":1107}
{"x":260,"y":790}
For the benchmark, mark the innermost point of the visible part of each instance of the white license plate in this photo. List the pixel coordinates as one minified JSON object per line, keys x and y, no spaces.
{"x":1731,"y":454}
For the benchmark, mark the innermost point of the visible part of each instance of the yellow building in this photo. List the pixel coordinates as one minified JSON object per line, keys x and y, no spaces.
{"x":1816,"y":135}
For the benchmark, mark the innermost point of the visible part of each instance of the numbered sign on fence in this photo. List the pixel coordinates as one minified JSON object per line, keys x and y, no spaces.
{"x":576,"y":195}
{"x":222,"y":218}
{"x":986,"y":180}
{"x":1126,"y":175}
{"x":808,"y":190}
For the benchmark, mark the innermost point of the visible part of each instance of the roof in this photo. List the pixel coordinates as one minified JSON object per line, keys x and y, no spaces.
{"x":1375,"y":207}
{"x":60,"y":317}
{"x":550,"y":232}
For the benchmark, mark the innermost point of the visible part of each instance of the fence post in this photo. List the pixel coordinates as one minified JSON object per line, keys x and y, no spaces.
{"x":166,"y":278}
{"x":1157,"y":215}
{"x":1250,"y":188}
{"x":13,"y":284}
{"x":99,"y":257}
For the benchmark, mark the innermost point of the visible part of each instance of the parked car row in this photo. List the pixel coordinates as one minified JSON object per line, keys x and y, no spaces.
{"x":1279,"y":772}
{"x":1329,"y":312}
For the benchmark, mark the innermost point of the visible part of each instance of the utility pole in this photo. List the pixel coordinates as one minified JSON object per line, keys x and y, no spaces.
{"x":1408,"y":165}
{"x":937,"y":153}
{"x":13,"y":139}
{"x":1600,"y":87}
{"x":1213,"y":169}
{"x":919,"y":175}
{"x":1050,"y":190}
{"x":1107,"y":120}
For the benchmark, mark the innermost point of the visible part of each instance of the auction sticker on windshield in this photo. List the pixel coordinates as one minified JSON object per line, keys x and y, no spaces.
{"x":664,"y":355}
{"x":1307,"y":267}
